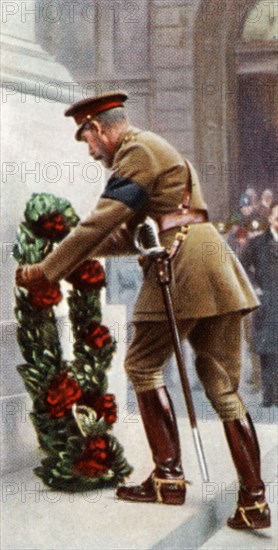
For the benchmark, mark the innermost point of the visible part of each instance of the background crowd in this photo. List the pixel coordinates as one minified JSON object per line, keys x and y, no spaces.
{"x":252,"y":232}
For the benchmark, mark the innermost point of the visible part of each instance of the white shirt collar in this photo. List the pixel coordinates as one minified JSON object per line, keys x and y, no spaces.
{"x":274,"y":234}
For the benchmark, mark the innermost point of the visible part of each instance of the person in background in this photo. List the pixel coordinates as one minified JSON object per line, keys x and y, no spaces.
{"x":253,"y":196}
{"x":237,"y":238}
{"x":241,"y":238}
{"x":260,"y":259}
{"x":265,"y":205}
{"x":246,"y":210}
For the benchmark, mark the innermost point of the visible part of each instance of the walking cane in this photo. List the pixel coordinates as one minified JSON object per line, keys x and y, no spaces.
{"x":147,"y":241}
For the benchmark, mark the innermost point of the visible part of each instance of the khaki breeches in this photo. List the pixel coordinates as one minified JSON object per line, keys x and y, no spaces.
{"x":216,"y":342}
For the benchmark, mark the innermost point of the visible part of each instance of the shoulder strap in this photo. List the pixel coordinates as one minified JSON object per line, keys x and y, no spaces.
{"x":188,"y":190}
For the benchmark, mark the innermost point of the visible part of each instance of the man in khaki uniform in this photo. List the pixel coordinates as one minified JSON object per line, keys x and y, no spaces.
{"x":210,"y":291}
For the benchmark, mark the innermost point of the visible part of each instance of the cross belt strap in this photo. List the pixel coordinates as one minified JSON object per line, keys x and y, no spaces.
{"x":181,"y":217}
{"x":184,"y":215}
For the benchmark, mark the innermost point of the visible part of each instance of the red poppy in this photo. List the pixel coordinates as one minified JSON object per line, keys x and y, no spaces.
{"x":62,"y":393}
{"x":104,"y":405}
{"x":107,"y":408}
{"x":46,"y":295}
{"x":98,"y":336}
{"x":51,"y":226}
{"x":89,"y":275}
{"x":96,"y":458}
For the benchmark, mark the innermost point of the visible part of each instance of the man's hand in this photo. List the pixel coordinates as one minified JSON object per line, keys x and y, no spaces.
{"x":30,"y":275}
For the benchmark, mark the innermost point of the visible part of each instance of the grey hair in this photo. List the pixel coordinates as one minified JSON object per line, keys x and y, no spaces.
{"x":111,"y":117}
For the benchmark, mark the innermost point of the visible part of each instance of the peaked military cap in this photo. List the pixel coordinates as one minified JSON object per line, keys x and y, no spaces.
{"x":85,"y":110}
{"x":244,"y":200}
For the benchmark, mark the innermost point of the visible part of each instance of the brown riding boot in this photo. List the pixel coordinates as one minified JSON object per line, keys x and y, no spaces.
{"x":166,"y":484}
{"x":252,"y":510}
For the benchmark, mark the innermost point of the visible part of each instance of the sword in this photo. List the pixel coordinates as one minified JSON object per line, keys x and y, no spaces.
{"x":147,"y":242}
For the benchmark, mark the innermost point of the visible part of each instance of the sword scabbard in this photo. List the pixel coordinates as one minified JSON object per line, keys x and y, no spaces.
{"x":163,"y":269}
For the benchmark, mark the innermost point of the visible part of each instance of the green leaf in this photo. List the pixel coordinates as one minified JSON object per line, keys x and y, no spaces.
{"x":55,"y":473}
{"x":64,"y":455}
{"x":88,"y":369}
{"x":48,"y":353}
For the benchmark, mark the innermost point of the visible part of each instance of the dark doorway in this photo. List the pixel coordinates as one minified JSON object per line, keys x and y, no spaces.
{"x":258,"y":132}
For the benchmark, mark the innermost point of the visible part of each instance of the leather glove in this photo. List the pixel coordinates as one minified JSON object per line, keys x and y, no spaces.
{"x":30,"y":275}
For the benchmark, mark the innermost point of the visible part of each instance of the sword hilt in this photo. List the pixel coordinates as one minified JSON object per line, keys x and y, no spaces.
{"x":146,"y":237}
{"x":146,"y":240}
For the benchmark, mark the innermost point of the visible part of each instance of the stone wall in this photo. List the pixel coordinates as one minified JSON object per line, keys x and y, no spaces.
{"x":38,"y":154}
{"x":172,"y":26}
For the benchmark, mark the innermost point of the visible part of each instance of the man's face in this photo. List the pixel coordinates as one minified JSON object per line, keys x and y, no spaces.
{"x":267,"y":198}
{"x":247,"y":210}
{"x":100,"y":147}
{"x":273,"y":219}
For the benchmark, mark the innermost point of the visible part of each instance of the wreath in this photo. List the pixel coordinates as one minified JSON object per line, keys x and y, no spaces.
{"x":72,"y":412}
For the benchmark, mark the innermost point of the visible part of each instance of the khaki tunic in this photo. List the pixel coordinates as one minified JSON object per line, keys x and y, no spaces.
{"x":149,"y":178}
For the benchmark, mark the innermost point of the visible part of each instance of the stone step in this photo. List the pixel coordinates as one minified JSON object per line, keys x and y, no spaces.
{"x":35,"y":518}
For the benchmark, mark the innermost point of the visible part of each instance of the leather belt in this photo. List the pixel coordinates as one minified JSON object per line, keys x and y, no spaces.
{"x":182,"y":217}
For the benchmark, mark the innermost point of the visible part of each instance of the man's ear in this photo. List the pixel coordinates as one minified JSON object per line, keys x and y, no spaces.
{"x":96,"y":128}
